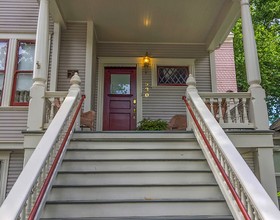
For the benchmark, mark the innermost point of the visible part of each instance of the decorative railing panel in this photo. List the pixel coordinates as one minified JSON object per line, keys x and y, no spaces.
{"x":244,"y":194}
{"x":28,"y":194}
{"x":53,"y":101}
{"x":229,"y":109}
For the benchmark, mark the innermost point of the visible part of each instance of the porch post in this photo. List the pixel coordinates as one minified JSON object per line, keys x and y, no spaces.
{"x":258,"y":111}
{"x":40,"y":70}
{"x":191,"y":82}
{"x":265,"y":171}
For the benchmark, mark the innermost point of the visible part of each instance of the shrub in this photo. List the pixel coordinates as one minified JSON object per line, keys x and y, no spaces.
{"x":152,"y":125}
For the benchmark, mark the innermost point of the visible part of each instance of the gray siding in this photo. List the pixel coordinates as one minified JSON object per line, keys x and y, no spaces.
{"x":72,"y":54}
{"x":15,"y":167}
{"x":163,"y":102}
{"x":18,"y":16}
{"x":12,"y":123}
{"x":249,"y":158}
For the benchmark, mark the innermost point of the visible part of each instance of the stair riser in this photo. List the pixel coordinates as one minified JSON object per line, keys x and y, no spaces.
{"x":134,"y":145}
{"x":135,"y":209}
{"x":118,"y":155}
{"x":135,"y":178}
{"x":135,"y":166}
{"x":135,"y":193}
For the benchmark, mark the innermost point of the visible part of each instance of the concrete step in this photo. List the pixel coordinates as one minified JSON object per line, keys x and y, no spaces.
{"x":144,"y":192}
{"x":135,"y":176}
{"x":108,"y":178}
{"x":96,"y":209}
{"x":122,"y":145}
{"x":122,"y":154}
{"x":135,"y":165}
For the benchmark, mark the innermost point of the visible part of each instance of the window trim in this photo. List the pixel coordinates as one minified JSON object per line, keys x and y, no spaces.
{"x":5,"y":68}
{"x":4,"y":159}
{"x":16,"y":72}
{"x":190,"y":63}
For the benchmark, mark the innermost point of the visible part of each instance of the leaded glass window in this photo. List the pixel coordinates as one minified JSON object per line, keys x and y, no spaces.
{"x":172,"y":75}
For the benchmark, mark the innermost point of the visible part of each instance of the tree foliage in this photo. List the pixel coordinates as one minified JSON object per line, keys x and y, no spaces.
{"x":266,"y":21}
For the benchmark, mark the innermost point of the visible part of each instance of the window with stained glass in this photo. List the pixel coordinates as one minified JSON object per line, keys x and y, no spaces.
{"x":172,"y":75}
{"x":23,"y":72}
{"x":3,"y":60}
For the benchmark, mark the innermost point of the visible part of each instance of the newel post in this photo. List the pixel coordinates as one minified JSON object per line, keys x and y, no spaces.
{"x":75,"y":82}
{"x":191,"y":83}
{"x":36,"y":111}
{"x":258,"y":110}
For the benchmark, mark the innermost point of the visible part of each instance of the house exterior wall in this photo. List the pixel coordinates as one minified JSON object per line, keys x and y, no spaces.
{"x":18,"y":16}
{"x":15,"y":167}
{"x":72,"y":54}
{"x":164,"y":101}
{"x":12,"y":122}
{"x":225,"y":68}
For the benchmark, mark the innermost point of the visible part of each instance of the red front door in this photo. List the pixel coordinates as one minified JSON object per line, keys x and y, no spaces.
{"x":119,"y":99}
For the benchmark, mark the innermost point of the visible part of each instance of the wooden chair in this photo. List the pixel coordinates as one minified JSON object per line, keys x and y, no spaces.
{"x":178,"y":122}
{"x":87,"y":119}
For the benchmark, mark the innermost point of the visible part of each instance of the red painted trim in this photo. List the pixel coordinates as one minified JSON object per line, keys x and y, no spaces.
{"x":221,"y":169}
{"x":13,"y":102}
{"x":4,"y":70}
{"x":50,"y":174}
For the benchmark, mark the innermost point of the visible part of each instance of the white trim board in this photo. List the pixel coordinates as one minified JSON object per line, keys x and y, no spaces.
{"x":118,"y":62}
{"x":4,"y":160}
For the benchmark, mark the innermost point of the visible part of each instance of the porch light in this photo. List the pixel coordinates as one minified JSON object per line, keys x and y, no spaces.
{"x":146,"y":60}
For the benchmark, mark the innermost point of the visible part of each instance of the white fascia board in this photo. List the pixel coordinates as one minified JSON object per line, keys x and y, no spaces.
{"x":56,"y":14}
{"x":222,"y":28}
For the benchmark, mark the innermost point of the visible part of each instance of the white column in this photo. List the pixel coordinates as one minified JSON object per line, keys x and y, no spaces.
{"x":258,"y":110}
{"x":250,"y":48}
{"x":191,"y":82}
{"x":55,"y":56}
{"x":89,"y":65}
{"x":40,"y":70}
{"x":265,"y":171}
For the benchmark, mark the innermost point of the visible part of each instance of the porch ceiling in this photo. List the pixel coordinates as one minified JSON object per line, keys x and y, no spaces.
{"x":155,"y":21}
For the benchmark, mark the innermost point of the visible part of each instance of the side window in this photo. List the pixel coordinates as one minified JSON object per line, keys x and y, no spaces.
{"x":172,"y":75}
{"x":3,"y":61}
{"x":4,"y":164}
{"x":23,"y":72}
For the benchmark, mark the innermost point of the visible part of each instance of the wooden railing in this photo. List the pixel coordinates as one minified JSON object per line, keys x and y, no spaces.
{"x":229,"y":109}
{"x":28,"y":194}
{"x":244,"y":194}
{"x":53,"y":101}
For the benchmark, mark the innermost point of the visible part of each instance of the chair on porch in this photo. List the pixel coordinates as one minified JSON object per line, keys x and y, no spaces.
{"x":87,"y":119}
{"x":178,"y":122}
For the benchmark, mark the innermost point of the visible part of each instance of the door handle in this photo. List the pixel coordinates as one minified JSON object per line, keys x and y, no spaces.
{"x":134,"y":101}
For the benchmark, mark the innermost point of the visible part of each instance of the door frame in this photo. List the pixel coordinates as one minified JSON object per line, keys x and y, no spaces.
{"x":117,"y":62}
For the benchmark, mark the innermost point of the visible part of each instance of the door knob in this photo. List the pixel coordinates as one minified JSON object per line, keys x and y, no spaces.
{"x":134,"y":101}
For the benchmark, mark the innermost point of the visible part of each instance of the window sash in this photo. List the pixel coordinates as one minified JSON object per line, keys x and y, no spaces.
{"x":172,"y":75}
{"x":4,"y":44}
{"x":23,"y":73}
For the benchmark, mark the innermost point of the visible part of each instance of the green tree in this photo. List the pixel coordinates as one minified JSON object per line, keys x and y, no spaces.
{"x":266,"y":21}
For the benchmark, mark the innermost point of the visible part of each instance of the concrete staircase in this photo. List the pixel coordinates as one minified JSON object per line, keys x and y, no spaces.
{"x":135,"y":176}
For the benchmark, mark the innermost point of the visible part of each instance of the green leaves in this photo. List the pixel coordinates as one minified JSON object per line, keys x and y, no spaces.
{"x":266,"y":21}
{"x":152,"y":125}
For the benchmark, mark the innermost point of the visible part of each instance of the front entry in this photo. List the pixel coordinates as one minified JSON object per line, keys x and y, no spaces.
{"x":119,"y":99}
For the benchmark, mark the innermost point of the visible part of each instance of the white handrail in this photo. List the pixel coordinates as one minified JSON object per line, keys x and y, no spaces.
{"x":251,"y":193}
{"x":23,"y":195}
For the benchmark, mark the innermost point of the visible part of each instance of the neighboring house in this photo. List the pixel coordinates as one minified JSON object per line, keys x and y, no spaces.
{"x":43,"y":45}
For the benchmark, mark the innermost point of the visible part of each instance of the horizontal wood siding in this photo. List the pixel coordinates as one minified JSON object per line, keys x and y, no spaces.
{"x":12,"y":123}
{"x":18,"y":16}
{"x":72,"y":54}
{"x":249,"y":158}
{"x":163,"y":102}
{"x":15,"y":167}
